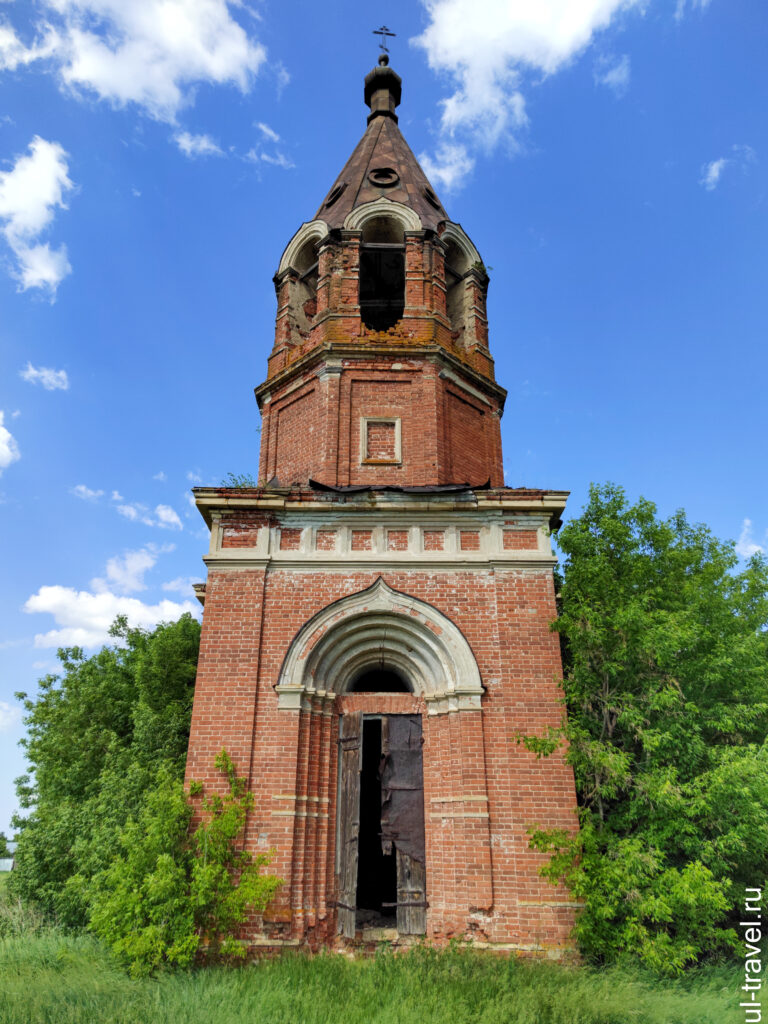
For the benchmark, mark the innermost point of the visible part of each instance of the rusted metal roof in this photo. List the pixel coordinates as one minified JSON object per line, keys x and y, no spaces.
{"x":382,"y":164}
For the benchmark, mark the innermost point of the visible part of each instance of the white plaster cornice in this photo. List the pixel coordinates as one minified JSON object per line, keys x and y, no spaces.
{"x":521,"y":561}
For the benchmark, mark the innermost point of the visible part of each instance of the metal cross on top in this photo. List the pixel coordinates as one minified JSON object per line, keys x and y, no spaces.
{"x":383,"y":32}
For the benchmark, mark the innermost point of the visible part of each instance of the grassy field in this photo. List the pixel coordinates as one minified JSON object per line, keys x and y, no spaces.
{"x":50,"y":978}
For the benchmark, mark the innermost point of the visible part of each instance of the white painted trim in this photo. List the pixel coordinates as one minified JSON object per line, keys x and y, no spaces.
{"x":383,"y":207}
{"x":311,"y":230}
{"x":364,"y":421}
{"x":455,"y":233}
{"x":378,"y":561}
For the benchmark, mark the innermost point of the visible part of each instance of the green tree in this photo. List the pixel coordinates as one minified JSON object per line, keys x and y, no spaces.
{"x":96,"y":737}
{"x":169,"y":896}
{"x":4,"y":851}
{"x":665,"y":648}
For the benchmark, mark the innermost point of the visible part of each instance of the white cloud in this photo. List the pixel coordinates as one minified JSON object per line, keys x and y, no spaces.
{"x":197,"y":145}
{"x":266,"y":131}
{"x":29,"y":194}
{"x":160,"y":476}
{"x":148,"y":52}
{"x":167,"y":518}
{"x":613,"y":73}
{"x":116,"y":496}
{"x":486,"y":46}
{"x":710,"y":173}
{"x":51,"y":380}
{"x":9,"y":450}
{"x":276,"y":159}
{"x":10,"y":716}
{"x":84,"y":617}
{"x":451,"y":166}
{"x":163,"y":515}
{"x":746,"y":545}
{"x":125,"y":573}
{"x":741,"y":157}
{"x":193,"y":475}
{"x":14,"y":53}
{"x":136,"y":512}
{"x":81,"y":491}
{"x":257,"y":155}
{"x":682,"y":5}
{"x":182,"y":584}
{"x":281,"y":76}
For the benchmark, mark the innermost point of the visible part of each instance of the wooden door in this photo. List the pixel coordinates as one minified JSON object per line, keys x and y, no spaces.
{"x":402,"y":816}
{"x":348,"y":831}
{"x":411,"y":895}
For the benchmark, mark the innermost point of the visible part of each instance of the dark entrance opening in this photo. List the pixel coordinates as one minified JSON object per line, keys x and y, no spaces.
{"x":376,"y":871}
{"x":379,"y":680}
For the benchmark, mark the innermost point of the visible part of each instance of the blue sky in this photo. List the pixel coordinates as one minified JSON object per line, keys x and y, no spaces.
{"x":607,"y":158}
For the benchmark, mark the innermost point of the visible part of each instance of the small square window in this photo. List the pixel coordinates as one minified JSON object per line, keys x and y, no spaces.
{"x":380,"y":441}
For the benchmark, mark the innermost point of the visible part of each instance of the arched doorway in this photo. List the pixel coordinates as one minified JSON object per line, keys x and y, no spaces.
{"x":380,"y":644}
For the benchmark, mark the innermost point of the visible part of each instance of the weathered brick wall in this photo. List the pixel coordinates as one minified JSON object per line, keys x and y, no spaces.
{"x":313,"y":430}
{"x":466,"y":439}
{"x":482,"y":789}
{"x":292,"y":435}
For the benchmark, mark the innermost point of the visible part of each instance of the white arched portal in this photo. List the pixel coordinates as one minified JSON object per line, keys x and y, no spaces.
{"x":380,"y":626}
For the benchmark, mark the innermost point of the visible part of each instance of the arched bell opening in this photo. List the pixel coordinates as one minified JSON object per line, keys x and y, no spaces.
{"x":297,"y":279}
{"x":382,"y":273}
{"x":304,"y":297}
{"x":456,"y":267}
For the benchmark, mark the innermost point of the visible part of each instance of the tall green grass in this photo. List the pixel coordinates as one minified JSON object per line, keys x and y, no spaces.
{"x":47,"y":977}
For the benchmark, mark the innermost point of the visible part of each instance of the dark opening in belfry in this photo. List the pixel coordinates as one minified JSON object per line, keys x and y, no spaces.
{"x":382,"y":274}
{"x":305,"y":293}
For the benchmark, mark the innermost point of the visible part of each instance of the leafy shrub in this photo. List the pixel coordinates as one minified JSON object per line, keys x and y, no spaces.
{"x":665,"y":652}
{"x":96,"y":737}
{"x":168,"y":896}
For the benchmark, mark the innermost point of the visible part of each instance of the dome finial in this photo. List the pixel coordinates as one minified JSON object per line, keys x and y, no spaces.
{"x":382,"y":85}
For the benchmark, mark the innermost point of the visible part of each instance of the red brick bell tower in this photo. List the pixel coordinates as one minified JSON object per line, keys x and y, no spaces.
{"x":376,"y":624}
